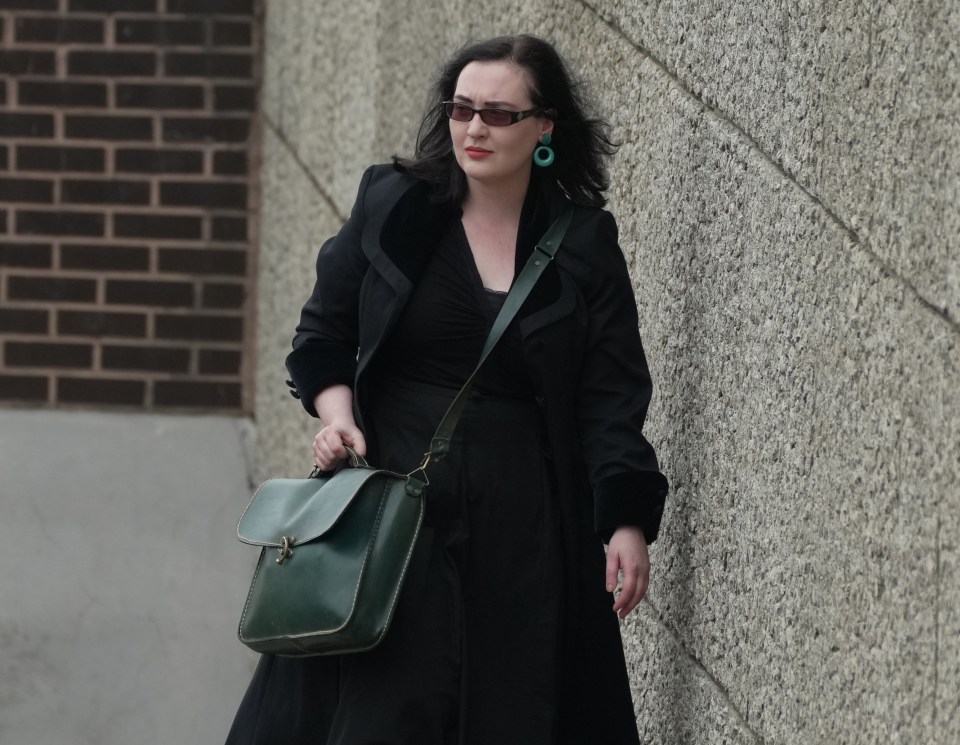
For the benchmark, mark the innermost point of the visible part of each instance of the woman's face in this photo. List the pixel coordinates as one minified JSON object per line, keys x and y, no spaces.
{"x":496,"y":156}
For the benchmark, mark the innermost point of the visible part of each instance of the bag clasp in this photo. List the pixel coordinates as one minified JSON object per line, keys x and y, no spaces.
{"x":284,"y":550}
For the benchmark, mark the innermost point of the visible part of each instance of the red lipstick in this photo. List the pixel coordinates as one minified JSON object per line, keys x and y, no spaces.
{"x":477,"y":153}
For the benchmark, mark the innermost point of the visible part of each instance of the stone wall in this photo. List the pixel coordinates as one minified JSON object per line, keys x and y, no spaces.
{"x":787,"y":194}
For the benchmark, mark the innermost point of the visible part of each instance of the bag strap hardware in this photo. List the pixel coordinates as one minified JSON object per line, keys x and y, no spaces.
{"x":284,"y":550}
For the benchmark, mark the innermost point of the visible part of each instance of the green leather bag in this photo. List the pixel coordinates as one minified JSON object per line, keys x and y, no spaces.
{"x":335,"y":551}
{"x":334,"y":548}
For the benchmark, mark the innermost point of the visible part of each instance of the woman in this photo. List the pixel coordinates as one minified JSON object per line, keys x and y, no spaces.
{"x":506,"y":630}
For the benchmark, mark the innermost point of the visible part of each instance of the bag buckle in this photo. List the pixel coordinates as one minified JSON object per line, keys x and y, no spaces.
{"x":284,"y":550}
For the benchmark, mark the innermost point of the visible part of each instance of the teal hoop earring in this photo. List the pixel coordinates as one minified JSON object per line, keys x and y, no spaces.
{"x":544,"y":156}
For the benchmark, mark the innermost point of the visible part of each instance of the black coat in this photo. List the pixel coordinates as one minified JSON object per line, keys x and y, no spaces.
{"x":582,"y":350}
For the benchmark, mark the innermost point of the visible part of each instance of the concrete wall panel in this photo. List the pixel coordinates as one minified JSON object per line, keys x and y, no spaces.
{"x":294,"y":226}
{"x":859,"y":102}
{"x":786,"y":196}
{"x":804,"y":388}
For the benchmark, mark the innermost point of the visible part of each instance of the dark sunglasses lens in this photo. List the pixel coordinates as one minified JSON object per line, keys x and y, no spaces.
{"x":496,"y":117}
{"x":459,"y":112}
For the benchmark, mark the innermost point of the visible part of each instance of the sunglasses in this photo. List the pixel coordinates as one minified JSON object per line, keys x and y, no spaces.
{"x":461,"y":112}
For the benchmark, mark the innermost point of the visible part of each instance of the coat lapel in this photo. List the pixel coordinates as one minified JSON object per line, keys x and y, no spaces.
{"x":406,"y":227}
{"x":398,"y":240}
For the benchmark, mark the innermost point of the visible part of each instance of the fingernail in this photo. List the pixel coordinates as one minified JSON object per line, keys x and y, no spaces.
{"x":609,"y":588}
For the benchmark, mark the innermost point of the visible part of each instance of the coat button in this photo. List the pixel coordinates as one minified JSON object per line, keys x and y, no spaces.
{"x":539,"y":399}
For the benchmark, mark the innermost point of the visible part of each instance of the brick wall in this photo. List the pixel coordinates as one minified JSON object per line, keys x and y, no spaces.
{"x":127,"y":138}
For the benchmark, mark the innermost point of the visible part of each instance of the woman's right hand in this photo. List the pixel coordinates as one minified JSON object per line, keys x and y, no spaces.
{"x":334,"y":406}
{"x":328,"y":445}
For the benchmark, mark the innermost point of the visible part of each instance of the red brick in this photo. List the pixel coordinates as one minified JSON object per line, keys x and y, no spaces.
{"x":23,"y":388}
{"x":58,"y":30}
{"x":203,"y":194}
{"x":99,"y":258}
{"x":223,"y":295}
{"x":59,"y":223}
{"x":100,"y":391}
{"x":199,"y":328}
{"x":119,"y":128}
{"x":160,"y":33}
{"x":157,"y":226}
{"x":235,"y":7}
{"x":28,"y":4}
{"x":26,"y":125}
{"x":36,"y":255}
{"x":47,"y":354}
{"x":234,"y":98}
{"x":150,"y":292}
{"x":131,"y":96}
{"x":26,"y":190}
{"x":145,"y":160}
{"x":208,"y":65}
{"x":190,"y":394}
{"x":24,"y":321}
{"x":152,"y":358}
{"x":100,"y":324}
{"x":202,"y":261}
{"x":230,"y":162}
{"x":42,"y":158}
{"x":51,"y":288}
{"x":202,"y":129}
{"x":25,"y":62}
{"x":219,"y":361}
{"x":112,"y":64}
{"x":229,"y":229}
{"x":232,"y":33}
{"x":116,"y":191}
{"x":56,"y":93}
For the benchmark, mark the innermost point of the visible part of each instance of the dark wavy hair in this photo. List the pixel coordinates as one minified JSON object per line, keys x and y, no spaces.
{"x":581,"y":142}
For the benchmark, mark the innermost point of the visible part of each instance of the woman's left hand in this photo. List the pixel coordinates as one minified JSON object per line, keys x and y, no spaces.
{"x":627,"y":553}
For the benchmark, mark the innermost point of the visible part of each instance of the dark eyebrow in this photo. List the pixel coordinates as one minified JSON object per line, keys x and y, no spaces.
{"x":487,"y":104}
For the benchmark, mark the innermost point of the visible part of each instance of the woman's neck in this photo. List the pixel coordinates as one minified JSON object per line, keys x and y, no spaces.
{"x":500,"y":201}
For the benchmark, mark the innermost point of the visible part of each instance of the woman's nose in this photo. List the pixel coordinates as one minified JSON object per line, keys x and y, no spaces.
{"x":476,"y":128}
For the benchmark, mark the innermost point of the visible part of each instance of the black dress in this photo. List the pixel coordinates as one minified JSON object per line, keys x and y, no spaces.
{"x":472,"y":655}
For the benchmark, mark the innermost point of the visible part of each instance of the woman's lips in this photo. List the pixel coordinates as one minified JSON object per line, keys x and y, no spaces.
{"x":477,"y":153}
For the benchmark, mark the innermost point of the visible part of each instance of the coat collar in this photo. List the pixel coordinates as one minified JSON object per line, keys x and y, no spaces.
{"x":407,"y":223}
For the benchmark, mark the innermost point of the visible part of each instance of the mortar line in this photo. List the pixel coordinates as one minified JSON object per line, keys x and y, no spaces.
{"x":717,"y":113}
{"x":702,"y":670}
{"x":273,"y":127}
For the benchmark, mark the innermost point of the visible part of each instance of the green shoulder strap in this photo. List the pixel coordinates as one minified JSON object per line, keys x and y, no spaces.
{"x":541,"y":256}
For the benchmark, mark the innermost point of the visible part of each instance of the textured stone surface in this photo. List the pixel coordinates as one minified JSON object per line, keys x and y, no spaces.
{"x":857,"y":101}
{"x":787,"y":200}
{"x":677,"y":701}
{"x":293,"y":228}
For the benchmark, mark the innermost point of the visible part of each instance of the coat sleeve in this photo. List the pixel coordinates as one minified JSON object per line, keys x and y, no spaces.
{"x":613,"y":395}
{"x":326,"y":339}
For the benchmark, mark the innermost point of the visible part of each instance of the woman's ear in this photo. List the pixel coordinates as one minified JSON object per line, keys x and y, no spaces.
{"x":546,"y":127}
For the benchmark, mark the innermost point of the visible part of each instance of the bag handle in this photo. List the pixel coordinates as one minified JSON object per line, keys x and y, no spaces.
{"x":546,"y":249}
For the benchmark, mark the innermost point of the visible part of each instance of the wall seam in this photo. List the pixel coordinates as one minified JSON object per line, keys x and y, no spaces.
{"x":952,"y":323}
{"x":273,"y":127}
{"x":700,"y":669}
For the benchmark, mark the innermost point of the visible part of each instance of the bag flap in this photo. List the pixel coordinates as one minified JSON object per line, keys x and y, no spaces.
{"x":300,"y":509}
